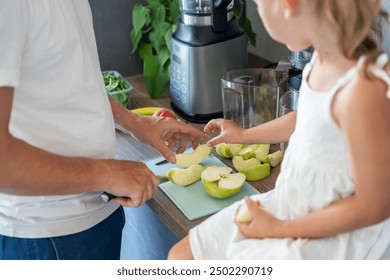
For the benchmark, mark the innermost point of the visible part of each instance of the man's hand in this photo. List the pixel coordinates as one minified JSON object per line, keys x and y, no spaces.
{"x":132,"y":182}
{"x":164,"y":134}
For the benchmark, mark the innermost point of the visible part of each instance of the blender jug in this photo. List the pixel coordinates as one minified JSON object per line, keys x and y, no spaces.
{"x":251,"y":96}
{"x":207,"y":12}
{"x":206,"y":43}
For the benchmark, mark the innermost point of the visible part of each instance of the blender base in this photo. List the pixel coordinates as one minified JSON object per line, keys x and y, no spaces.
{"x":197,"y":118}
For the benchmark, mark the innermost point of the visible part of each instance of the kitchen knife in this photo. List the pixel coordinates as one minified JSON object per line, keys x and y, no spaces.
{"x":106,"y":197}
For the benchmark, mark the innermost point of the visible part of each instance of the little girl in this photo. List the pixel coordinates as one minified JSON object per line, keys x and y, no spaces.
{"x":332,"y":197}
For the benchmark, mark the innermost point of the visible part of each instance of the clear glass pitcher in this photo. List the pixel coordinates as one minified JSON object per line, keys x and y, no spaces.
{"x":251,"y":96}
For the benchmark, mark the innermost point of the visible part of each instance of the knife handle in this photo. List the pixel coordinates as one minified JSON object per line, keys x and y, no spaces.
{"x":106,"y":197}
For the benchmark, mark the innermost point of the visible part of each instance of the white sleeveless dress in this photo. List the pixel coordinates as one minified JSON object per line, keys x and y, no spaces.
{"x":315,"y":172}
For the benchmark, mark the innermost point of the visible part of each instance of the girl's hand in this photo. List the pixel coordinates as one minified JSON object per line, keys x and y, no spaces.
{"x":262,"y":225}
{"x":229,"y":132}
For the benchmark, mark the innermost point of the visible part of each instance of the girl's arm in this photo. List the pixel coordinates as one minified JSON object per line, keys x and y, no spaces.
{"x":275,"y":131}
{"x":363,"y":112}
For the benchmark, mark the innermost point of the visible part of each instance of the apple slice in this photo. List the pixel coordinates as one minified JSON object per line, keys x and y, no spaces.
{"x":228,"y":150}
{"x":257,"y":172}
{"x":274,"y":159}
{"x":240,"y":163}
{"x":220,"y":183}
{"x":194,"y":157}
{"x":262,"y":151}
{"x":252,"y":168}
{"x":235,"y":149}
{"x":248,"y":152}
{"x":223,"y":150}
{"x":243,"y":215}
{"x":185,"y":177}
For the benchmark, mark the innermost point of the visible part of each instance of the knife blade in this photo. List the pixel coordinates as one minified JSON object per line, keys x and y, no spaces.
{"x":106,"y":197}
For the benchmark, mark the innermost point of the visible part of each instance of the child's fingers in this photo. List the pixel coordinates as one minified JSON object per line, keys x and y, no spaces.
{"x":213,"y":126}
{"x":215,"y":141}
{"x":252,"y":204}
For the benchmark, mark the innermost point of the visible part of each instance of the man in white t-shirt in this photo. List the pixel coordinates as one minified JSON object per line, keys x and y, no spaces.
{"x":57,"y":138}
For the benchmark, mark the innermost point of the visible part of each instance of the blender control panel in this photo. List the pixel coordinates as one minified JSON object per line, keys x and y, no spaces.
{"x":179,"y":79}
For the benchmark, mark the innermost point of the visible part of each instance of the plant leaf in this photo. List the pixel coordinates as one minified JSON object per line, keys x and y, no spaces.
{"x":158,"y":16}
{"x":156,"y":76}
{"x":174,"y":10}
{"x":167,"y":34}
{"x":145,"y":50}
{"x":163,"y":55}
{"x":246,"y":25}
{"x":135,"y":38}
{"x":141,"y":17}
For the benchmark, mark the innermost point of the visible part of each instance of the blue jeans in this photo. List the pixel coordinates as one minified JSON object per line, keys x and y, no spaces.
{"x":102,"y":241}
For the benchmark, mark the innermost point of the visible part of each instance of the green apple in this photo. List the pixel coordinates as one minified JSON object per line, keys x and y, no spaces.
{"x":235,"y":149}
{"x":228,"y":150}
{"x":223,"y":150}
{"x":194,"y":157}
{"x":252,"y":168}
{"x":262,"y":151}
{"x":219,"y":182}
{"x":240,"y":163}
{"x":243,"y":215}
{"x":274,"y":159}
{"x":248,"y":151}
{"x":257,"y":172}
{"x":185,"y":177}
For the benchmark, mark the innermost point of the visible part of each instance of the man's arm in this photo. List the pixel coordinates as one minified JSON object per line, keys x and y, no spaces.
{"x":28,"y":170}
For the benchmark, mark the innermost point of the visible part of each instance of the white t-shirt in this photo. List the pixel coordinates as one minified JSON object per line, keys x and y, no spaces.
{"x":48,"y":54}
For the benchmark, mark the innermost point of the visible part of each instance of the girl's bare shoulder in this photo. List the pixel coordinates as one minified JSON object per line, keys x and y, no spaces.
{"x":365,"y":96}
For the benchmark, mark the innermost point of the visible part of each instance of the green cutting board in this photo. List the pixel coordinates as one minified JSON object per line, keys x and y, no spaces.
{"x":193,"y":200}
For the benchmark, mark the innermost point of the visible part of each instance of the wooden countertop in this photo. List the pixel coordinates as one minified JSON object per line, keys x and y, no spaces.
{"x":130,"y":149}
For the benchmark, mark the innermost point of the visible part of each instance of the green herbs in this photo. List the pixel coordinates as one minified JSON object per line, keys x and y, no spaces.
{"x":117,"y":87}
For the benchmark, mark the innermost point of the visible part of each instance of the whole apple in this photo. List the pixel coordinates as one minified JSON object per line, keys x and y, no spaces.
{"x":164,"y":113}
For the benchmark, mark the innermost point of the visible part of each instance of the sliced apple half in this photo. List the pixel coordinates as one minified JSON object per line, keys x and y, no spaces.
{"x":262,"y":151}
{"x":273,"y":159}
{"x":194,"y":157}
{"x":185,"y":177}
{"x":220,"y":183}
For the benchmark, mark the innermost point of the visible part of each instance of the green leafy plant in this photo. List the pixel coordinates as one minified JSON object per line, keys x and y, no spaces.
{"x":153,"y":25}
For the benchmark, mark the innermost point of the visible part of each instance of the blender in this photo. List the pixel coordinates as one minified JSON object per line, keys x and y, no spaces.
{"x":207,"y":43}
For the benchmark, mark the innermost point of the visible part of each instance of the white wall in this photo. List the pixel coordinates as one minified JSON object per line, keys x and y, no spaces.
{"x":271,"y":50}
